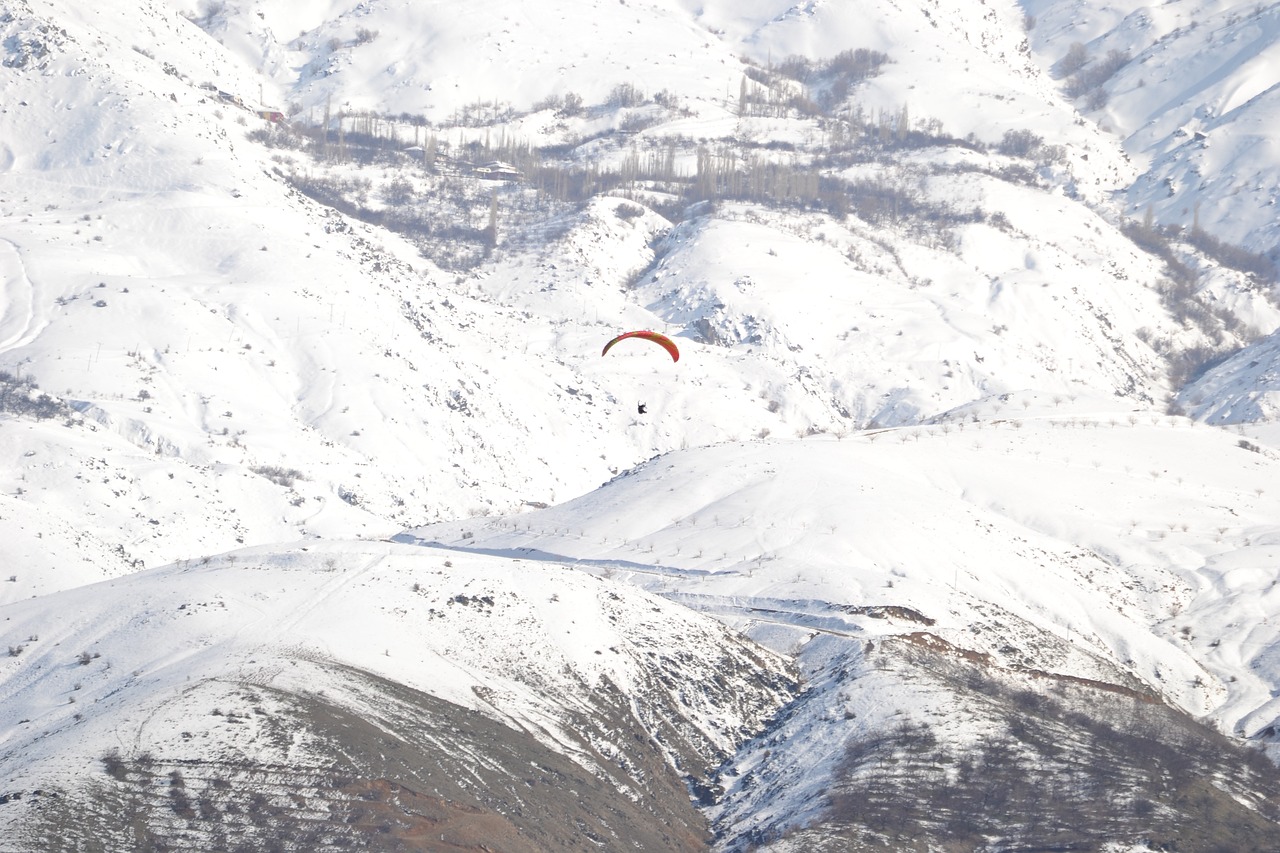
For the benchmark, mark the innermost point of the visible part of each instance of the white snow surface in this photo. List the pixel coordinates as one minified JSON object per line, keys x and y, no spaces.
{"x":1196,"y":104}
{"x":262,"y":393}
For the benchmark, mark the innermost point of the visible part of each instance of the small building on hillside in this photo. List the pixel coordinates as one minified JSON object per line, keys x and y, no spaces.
{"x":498,"y":171}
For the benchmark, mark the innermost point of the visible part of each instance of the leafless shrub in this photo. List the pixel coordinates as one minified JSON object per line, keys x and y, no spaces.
{"x":627,"y":211}
{"x":1077,"y":57}
{"x":278,"y":474}
{"x":114,"y":765}
{"x":625,"y":95}
{"x":1095,"y":75}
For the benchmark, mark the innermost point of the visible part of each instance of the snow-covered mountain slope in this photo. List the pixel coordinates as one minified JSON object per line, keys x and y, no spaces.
{"x":1098,"y":530}
{"x":919,"y":436}
{"x":164,"y":282}
{"x":1192,"y":90}
{"x":1161,"y":84}
{"x":1243,"y":389}
{"x":1084,"y":552}
{"x":223,"y":670}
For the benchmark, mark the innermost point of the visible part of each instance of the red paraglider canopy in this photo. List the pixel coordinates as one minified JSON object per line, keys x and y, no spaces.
{"x":660,"y":339}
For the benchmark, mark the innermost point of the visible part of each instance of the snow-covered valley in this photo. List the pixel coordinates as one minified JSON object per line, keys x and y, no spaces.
{"x":326,"y":525}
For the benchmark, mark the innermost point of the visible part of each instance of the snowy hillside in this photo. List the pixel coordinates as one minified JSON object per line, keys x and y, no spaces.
{"x":193,"y":667}
{"x":1193,"y":94}
{"x":323,"y":517}
{"x":1108,"y":549}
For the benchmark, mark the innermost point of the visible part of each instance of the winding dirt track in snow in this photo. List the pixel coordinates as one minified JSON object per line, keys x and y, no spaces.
{"x":811,"y":615}
{"x":18,"y":322}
